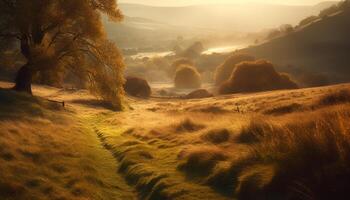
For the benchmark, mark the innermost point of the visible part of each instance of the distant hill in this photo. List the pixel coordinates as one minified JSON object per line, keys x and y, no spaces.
{"x":136,"y":32}
{"x":139,"y":32}
{"x":158,"y":27}
{"x":236,"y":17}
{"x":321,"y":47}
{"x":325,"y":4}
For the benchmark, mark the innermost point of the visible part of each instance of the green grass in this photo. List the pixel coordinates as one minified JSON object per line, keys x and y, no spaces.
{"x":150,"y":165}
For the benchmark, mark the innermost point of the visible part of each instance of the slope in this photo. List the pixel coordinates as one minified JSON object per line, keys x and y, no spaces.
{"x":321,"y":47}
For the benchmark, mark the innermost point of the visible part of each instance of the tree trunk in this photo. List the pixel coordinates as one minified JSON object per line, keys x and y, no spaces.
{"x":24,"y":80}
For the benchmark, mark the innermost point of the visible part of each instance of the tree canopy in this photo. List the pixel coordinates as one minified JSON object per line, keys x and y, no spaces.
{"x":51,"y":33}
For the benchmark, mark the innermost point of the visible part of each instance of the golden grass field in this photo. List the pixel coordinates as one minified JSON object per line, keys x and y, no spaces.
{"x":291,"y":144}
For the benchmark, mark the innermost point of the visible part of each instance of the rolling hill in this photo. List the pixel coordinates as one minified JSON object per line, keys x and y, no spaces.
{"x":140,"y":32}
{"x":174,"y":149}
{"x":321,"y":47}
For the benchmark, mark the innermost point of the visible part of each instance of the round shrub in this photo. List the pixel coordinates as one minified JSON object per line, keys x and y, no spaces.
{"x":187,"y":77}
{"x":256,"y":76}
{"x":137,"y":87}
{"x":224,"y":71}
{"x":199,"y":94}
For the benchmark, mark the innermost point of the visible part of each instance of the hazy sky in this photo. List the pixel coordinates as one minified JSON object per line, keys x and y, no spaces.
{"x":191,"y":2}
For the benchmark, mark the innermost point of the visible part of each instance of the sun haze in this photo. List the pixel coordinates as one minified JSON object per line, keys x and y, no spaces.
{"x":174,"y":99}
{"x":196,"y":2}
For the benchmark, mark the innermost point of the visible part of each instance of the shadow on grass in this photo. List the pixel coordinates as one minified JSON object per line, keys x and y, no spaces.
{"x":16,"y":105}
{"x":93,"y":103}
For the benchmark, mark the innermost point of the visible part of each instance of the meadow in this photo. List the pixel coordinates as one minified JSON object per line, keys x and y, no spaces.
{"x":285,"y":144}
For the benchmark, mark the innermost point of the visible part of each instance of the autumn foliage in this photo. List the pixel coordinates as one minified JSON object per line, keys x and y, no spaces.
{"x":187,"y":77}
{"x":256,"y":76}
{"x":66,"y":33}
{"x":224,"y":71}
{"x":137,"y":87}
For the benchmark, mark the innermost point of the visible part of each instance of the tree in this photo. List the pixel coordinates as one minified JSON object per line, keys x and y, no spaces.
{"x":187,"y":77}
{"x":256,"y":76}
{"x":62,"y":32}
{"x":308,"y":20}
{"x":286,"y":28}
{"x":224,"y":71}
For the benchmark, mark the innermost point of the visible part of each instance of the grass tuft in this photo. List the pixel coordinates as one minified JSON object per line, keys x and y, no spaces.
{"x":201,"y":161}
{"x":188,"y":125}
{"x":336,"y":97}
{"x":217,"y":136}
{"x":255,"y":131}
{"x":285,"y":109}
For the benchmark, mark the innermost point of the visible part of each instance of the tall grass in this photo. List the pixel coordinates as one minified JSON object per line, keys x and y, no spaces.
{"x":301,"y":159}
{"x":336,"y":97}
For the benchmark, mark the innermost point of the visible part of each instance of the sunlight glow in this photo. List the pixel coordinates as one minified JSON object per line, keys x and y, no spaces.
{"x":196,"y":2}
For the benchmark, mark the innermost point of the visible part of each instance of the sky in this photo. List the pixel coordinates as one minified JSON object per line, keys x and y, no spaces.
{"x":193,"y":2}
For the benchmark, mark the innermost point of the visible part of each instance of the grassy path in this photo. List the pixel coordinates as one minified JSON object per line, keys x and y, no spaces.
{"x":105,"y":159}
{"x":149,"y":165}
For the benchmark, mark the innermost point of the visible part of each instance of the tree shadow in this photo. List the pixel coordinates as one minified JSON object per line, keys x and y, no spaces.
{"x":93,"y":103}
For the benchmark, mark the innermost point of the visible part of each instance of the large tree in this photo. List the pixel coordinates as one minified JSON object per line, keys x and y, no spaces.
{"x":51,"y":33}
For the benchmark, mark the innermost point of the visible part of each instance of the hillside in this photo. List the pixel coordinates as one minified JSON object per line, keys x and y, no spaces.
{"x":322,"y":47}
{"x":183,"y":149}
{"x":49,"y":152}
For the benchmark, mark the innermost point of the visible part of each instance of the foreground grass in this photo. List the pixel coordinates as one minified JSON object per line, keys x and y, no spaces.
{"x":46,"y":152}
{"x":286,"y":158}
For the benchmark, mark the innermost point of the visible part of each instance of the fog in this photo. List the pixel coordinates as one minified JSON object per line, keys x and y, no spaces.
{"x":194,"y":2}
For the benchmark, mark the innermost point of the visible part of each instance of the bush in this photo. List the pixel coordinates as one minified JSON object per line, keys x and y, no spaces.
{"x":199,"y":94}
{"x":337,"y":97}
{"x":254,"y":77}
{"x":137,"y":87}
{"x":224,"y":71}
{"x":217,"y":136}
{"x":187,"y":77}
{"x":187,"y":125}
